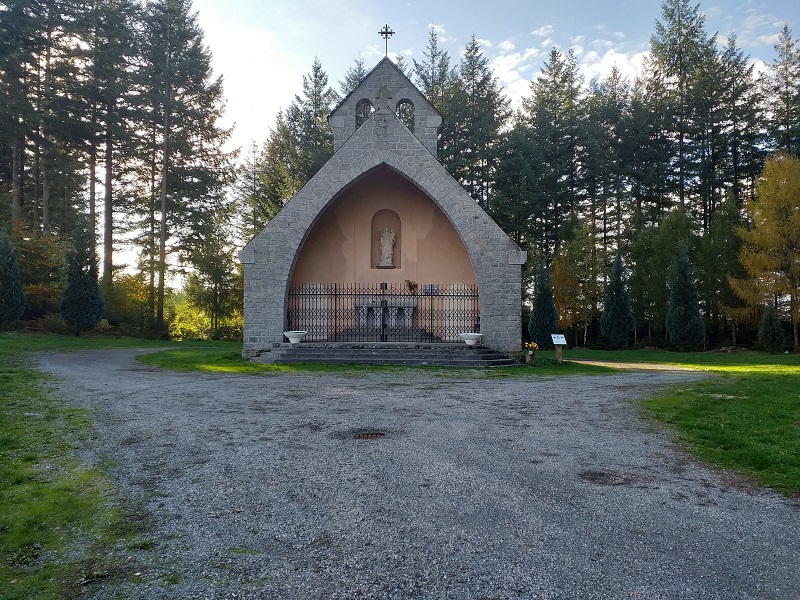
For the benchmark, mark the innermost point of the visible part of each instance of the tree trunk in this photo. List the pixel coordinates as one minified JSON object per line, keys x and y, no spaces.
{"x":151,"y":242}
{"x":93,"y":183}
{"x":45,"y":181}
{"x":162,"y":238}
{"x":108,"y":208}
{"x":46,"y":138}
{"x":16,"y":181}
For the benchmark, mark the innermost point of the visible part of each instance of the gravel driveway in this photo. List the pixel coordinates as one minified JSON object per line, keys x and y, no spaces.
{"x":283,"y":487}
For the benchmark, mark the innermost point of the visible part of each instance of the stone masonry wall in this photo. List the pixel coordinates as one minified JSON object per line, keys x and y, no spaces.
{"x":270,"y":257}
{"x":386,"y":76}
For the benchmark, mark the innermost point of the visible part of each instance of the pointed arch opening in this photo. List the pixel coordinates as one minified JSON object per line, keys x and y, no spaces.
{"x":405,"y":112}
{"x":364,"y":110}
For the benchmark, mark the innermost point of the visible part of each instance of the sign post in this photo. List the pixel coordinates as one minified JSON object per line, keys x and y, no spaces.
{"x":559,"y":340}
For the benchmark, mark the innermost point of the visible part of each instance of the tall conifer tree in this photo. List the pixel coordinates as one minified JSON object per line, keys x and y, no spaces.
{"x":12,"y":294}
{"x":685,"y":330}
{"x":544,"y":319}
{"x":82,"y":305}
{"x":616,"y":322}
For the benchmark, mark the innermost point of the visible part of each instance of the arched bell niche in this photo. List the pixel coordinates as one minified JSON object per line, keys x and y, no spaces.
{"x":405,"y":112}
{"x":364,"y":110}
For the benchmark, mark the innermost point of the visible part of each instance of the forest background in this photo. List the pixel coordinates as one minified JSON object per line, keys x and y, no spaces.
{"x":111,"y":108}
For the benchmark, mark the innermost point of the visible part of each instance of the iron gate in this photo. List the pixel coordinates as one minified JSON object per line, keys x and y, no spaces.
{"x":384,"y":312}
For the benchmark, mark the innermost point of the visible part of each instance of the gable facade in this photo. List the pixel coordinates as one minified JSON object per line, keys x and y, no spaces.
{"x":382,"y":174}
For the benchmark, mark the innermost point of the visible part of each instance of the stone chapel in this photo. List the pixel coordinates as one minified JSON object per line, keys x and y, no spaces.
{"x":382,"y":244}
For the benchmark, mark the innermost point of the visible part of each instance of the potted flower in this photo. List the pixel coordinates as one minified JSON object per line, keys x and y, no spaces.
{"x":530,"y":348}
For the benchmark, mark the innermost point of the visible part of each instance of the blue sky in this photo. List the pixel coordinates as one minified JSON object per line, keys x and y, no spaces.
{"x":264,"y":47}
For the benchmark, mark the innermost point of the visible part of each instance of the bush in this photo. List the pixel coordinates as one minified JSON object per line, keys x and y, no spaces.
{"x":684,"y":324}
{"x":82,"y":304}
{"x":42,"y":264}
{"x":12,"y":295}
{"x":770,"y":334}
{"x":616,"y":322}
{"x":544,"y":319}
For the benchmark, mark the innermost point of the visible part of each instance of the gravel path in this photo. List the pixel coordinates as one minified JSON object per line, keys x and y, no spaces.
{"x":260,"y":487}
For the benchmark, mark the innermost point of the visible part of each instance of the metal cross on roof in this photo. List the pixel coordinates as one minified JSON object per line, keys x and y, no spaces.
{"x":386,"y":33}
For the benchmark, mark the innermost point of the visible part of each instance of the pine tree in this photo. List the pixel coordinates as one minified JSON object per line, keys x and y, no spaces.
{"x":476,"y":112}
{"x":257,"y":205}
{"x":184,"y":140}
{"x":684,"y":324}
{"x":544,"y":319}
{"x":742,"y":137}
{"x":12,"y":294}
{"x":783,"y":92}
{"x":771,"y":246}
{"x":652,"y":251}
{"x":604,"y":166}
{"x":82,"y":305}
{"x":354,"y":76}
{"x":717,"y":260}
{"x":434,"y":74}
{"x":519,"y":203}
{"x":680,"y":49}
{"x":577,"y":272}
{"x":770,"y":334}
{"x":616,"y":322}
{"x":551,"y":119}
{"x":301,"y":141}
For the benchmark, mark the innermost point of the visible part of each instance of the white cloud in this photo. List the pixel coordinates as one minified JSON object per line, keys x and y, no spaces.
{"x":769,"y":40}
{"x":484,"y":43}
{"x":543,"y":31}
{"x":512,"y":70}
{"x":594,"y":65}
{"x":506,"y":46}
{"x":441,"y":33}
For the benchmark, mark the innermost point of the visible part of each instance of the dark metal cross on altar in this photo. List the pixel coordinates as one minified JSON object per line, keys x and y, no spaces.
{"x":386,"y":33}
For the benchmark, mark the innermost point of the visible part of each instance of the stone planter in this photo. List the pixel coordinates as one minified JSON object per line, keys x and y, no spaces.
{"x":470,"y":339}
{"x":295,"y":337}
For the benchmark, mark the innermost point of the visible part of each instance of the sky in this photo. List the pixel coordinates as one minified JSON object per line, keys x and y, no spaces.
{"x":262,"y":48}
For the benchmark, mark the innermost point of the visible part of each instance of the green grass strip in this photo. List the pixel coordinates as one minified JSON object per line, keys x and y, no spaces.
{"x":226,"y":357}
{"x":746,"y":417}
{"x":61,"y":523}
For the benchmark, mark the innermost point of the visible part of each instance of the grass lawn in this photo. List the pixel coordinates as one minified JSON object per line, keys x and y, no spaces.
{"x":61,"y":526}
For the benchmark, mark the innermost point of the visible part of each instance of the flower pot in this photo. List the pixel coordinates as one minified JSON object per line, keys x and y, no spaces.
{"x":470,"y":339}
{"x":529,"y":357}
{"x":295,"y":337}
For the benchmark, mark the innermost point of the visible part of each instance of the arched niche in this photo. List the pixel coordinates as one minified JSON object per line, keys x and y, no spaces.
{"x":380,"y":220}
{"x":405,"y":112}
{"x":364,"y":110}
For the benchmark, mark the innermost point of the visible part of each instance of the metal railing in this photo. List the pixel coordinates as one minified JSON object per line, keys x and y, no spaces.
{"x":384,"y":312}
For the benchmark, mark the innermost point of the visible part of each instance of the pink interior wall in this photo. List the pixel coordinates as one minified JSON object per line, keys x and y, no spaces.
{"x":343,"y":245}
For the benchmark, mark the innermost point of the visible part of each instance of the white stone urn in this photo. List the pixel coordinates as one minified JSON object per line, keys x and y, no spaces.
{"x":470,"y":339}
{"x":295,"y":337}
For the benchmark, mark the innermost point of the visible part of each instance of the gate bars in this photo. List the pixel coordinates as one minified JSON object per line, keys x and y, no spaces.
{"x":336,"y":312}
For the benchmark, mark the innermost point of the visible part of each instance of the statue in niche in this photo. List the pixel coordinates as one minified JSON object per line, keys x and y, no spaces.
{"x":387,"y":246}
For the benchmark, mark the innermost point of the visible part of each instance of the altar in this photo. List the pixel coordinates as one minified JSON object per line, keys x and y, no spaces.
{"x":370,"y":310}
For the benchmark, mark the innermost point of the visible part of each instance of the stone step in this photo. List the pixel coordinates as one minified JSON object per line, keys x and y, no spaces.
{"x":397,"y":353}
